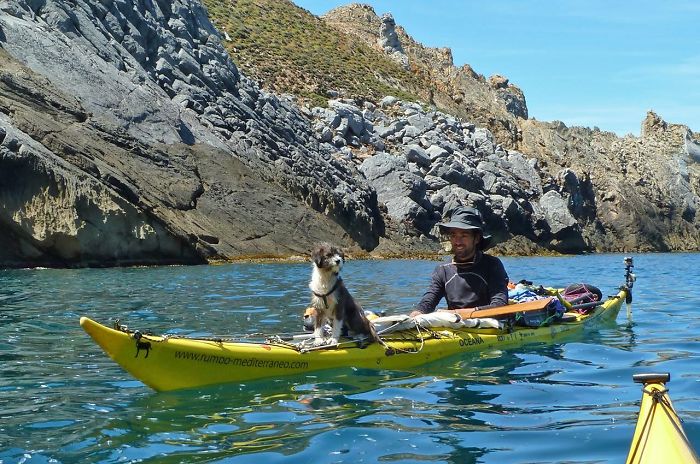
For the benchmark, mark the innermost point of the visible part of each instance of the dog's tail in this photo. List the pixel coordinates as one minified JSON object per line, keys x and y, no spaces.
{"x":375,"y":337}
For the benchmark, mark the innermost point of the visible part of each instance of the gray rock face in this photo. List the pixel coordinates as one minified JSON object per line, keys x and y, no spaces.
{"x":73,"y":216}
{"x":573,"y":209}
{"x":392,"y":178}
{"x":154,"y":75}
{"x":556,"y":212}
{"x":416,"y":154}
{"x":525,"y":171}
{"x":512,"y":96}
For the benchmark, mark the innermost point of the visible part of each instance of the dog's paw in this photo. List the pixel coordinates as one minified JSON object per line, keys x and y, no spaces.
{"x":329,"y":342}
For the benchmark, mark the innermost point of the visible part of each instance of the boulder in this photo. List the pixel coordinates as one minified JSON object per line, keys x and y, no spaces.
{"x":394,"y":182}
{"x":416,"y":154}
{"x":557,"y":213}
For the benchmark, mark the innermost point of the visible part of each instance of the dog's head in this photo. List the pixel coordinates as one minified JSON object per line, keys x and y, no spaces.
{"x":328,"y":257}
{"x":310,"y":319}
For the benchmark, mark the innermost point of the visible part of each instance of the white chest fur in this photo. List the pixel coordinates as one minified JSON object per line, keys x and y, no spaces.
{"x":322,"y":285}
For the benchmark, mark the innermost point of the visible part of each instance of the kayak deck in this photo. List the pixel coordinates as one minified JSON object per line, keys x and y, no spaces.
{"x":171,"y":363}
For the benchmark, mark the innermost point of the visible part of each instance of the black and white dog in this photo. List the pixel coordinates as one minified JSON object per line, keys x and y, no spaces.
{"x":332,"y":301}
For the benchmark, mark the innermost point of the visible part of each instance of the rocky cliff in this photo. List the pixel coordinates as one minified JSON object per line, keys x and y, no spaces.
{"x":129,"y":135}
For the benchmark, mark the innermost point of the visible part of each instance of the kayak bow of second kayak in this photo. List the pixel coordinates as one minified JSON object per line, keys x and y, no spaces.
{"x":659,"y":436}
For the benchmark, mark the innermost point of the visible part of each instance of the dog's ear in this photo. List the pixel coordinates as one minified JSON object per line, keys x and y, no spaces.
{"x":338,"y":251}
{"x":317,"y":253}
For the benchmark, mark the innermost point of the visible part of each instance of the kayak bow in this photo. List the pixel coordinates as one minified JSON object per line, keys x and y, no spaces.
{"x":659,"y":436}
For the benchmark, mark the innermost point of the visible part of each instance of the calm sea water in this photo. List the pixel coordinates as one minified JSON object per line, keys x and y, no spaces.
{"x":63,"y":400}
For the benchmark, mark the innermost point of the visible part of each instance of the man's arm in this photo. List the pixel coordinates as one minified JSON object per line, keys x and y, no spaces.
{"x":498,"y":284}
{"x":432,"y":296}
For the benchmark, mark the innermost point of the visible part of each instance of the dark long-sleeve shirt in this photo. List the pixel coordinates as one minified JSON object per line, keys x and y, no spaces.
{"x":483,"y":283}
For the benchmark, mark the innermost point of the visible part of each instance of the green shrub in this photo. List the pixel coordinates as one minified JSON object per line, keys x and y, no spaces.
{"x":273,"y":35}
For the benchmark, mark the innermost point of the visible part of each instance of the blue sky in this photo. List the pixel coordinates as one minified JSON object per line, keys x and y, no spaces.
{"x":588,"y":63}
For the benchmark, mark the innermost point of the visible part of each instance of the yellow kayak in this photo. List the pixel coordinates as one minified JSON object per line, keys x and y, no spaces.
{"x":659,"y":436}
{"x":170,"y":362}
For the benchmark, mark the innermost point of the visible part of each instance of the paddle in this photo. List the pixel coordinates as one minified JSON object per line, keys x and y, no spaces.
{"x":535,"y":305}
{"x":592,"y":304}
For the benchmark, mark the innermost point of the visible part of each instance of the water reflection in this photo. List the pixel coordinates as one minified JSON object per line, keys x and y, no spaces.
{"x":286,"y":416}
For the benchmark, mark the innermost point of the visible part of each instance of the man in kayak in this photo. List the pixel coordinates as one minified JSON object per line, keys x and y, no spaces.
{"x":473,"y":279}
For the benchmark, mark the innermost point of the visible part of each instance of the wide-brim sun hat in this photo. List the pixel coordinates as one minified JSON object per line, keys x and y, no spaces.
{"x":466,"y":218}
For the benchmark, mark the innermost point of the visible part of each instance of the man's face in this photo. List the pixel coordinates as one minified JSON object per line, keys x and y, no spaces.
{"x":464,"y":243}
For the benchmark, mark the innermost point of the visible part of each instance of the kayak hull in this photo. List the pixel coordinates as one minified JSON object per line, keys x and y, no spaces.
{"x":659,"y":436}
{"x":169,"y":363}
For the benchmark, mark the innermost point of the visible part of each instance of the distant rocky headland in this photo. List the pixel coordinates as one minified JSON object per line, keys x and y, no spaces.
{"x":175,"y":132}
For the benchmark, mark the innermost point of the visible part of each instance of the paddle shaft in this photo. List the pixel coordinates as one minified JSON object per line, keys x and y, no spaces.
{"x":592,"y":304}
{"x":470,"y":313}
{"x":535,"y":305}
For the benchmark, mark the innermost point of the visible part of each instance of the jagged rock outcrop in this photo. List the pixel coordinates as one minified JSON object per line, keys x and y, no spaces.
{"x":153,"y":102}
{"x":512,"y":96}
{"x":633,"y":193}
{"x":424,"y":163}
{"x":389,"y":41}
{"x":495,"y":104}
